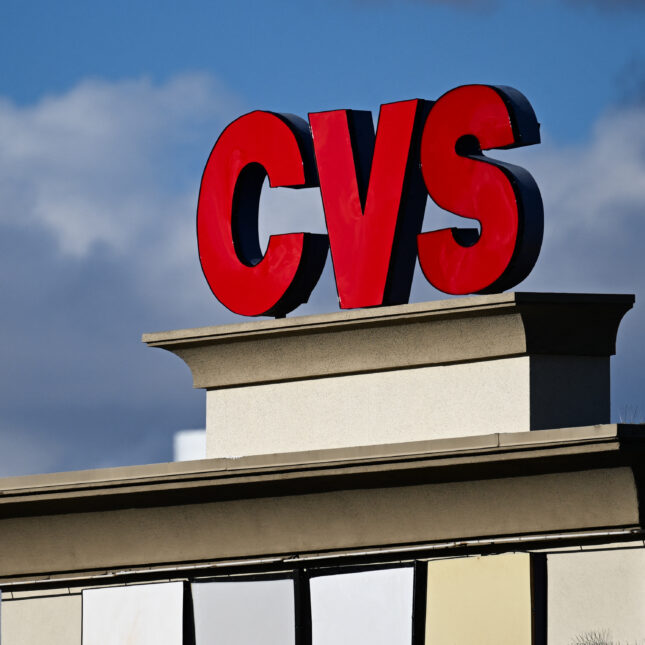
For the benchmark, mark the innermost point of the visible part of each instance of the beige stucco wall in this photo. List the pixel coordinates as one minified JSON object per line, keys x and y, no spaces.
{"x":49,"y":620}
{"x":597,"y":591}
{"x":480,"y":601}
{"x":435,"y":402}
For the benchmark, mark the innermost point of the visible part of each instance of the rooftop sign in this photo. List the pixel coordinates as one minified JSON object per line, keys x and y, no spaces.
{"x":374,"y":188}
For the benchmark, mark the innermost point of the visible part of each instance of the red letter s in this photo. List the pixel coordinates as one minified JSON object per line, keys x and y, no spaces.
{"x":503,"y":198}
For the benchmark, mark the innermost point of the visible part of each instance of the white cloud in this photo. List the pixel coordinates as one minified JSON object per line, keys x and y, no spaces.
{"x":594,"y":197}
{"x":90,"y":166}
{"x":98,"y":191}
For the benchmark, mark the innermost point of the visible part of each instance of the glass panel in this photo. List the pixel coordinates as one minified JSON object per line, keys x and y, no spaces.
{"x":596,"y":597}
{"x":244,"y":613}
{"x":134,"y":615}
{"x":480,"y":600}
{"x":369,"y":607}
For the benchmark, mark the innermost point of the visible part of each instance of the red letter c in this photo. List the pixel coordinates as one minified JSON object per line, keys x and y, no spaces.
{"x":254,"y":146}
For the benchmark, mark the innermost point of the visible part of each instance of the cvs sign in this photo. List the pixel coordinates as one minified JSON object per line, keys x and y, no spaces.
{"x":374,"y":188}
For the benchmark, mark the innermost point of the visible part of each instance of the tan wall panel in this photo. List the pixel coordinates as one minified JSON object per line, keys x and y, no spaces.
{"x":54,"y":620}
{"x":479,"y":601}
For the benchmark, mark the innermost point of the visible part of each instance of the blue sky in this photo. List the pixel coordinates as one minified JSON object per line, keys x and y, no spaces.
{"x":108,"y":112}
{"x":569,"y":57}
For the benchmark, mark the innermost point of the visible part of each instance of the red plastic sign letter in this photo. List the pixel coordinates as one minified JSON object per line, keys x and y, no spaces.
{"x":373,"y":198}
{"x":503,"y":198}
{"x":254,"y":146}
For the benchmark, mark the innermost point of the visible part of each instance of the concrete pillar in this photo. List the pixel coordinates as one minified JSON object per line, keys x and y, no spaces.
{"x":459,"y":367}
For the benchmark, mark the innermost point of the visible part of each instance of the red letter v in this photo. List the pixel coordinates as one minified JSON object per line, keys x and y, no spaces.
{"x":374,"y":198}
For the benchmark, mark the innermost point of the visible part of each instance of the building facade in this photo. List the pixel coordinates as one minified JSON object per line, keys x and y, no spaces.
{"x":441,"y":473}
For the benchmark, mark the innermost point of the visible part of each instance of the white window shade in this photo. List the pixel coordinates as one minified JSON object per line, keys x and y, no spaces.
{"x":259,"y":612}
{"x":364,"y":608}
{"x":149,"y":614}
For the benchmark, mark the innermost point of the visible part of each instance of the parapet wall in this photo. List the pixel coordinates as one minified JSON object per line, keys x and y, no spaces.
{"x":460,"y":367}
